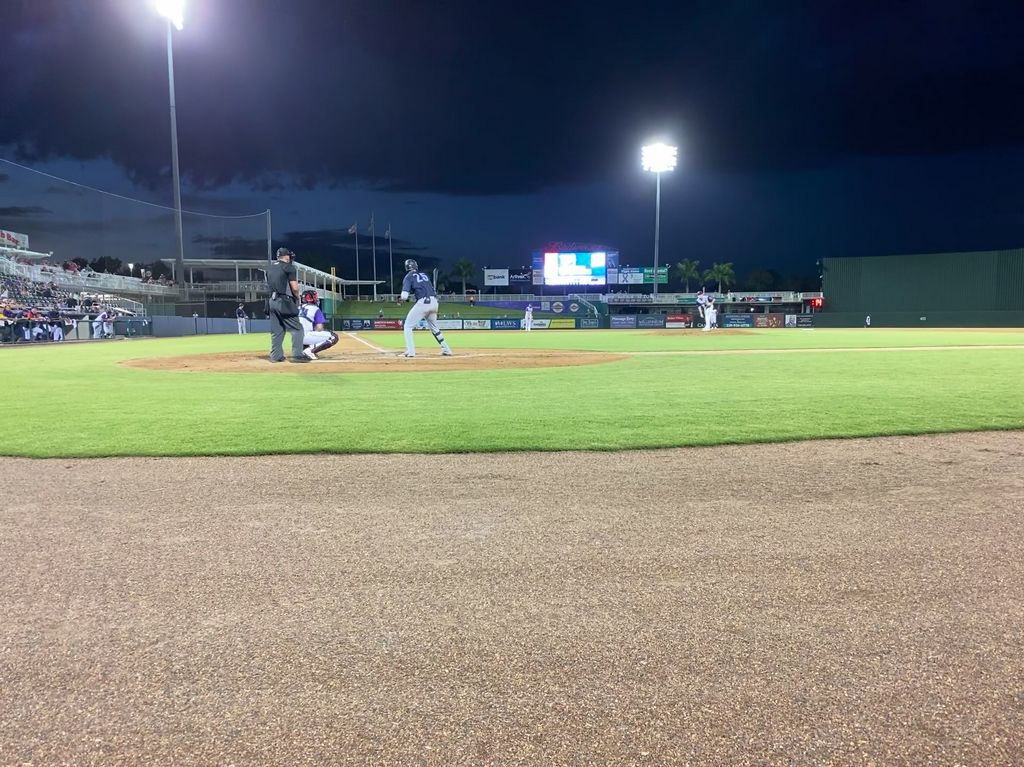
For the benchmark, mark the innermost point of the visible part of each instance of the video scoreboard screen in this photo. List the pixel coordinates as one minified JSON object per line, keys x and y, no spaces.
{"x":575,"y":268}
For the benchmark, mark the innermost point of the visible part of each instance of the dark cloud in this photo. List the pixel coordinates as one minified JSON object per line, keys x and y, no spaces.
{"x":3,"y":177}
{"x":17,"y":211}
{"x":483,"y":98}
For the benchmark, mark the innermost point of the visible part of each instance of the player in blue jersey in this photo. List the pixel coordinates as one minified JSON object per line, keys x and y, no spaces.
{"x":314,"y":338}
{"x":417,"y":285}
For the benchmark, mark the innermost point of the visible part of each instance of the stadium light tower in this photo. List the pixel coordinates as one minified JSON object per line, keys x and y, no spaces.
{"x":658,"y":159}
{"x":174,"y":12}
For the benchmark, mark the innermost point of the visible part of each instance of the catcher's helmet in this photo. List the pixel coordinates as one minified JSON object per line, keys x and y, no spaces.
{"x":310,"y":297}
{"x":411,"y":266}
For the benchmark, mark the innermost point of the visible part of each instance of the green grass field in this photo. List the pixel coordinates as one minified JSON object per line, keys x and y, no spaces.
{"x":75,"y":400}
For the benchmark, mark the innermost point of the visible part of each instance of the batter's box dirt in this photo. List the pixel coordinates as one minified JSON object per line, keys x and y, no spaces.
{"x":369,"y":361}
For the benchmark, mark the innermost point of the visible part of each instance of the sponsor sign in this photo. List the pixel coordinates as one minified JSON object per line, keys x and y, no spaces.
{"x":450,"y":324}
{"x":650,"y":321}
{"x":387,"y":324}
{"x":736,"y":320}
{"x":805,"y":320}
{"x":495,"y":277}
{"x":520,"y":276}
{"x":541,"y":324}
{"x":13,"y":240}
{"x":623,"y":320}
{"x":476,"y":324}
{"x":769,"y":320}
{"x":557,"y":307}
{"x":633,"y":275}
{"x":590,"y":322}
{"x":562,"y":323}
{"x":506,"y":324}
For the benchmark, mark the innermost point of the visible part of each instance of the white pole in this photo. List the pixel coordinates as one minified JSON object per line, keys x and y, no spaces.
{"x":358,"y":286}
{"x":179,"y":259}
{"x":657,"y":231}
{"x":391,"y":265}
{"x":270,"y":258}
{"x":373,"y":247}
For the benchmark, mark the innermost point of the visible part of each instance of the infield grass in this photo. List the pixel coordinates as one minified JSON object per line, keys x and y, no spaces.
{"x":75,"y":400}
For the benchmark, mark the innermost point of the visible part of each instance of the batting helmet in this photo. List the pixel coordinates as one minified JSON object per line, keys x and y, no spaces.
{"x":310,"y":297}
{"x":411,"y":266}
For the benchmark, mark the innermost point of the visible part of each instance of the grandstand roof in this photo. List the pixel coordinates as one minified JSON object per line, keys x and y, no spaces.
{"x":28,"y":255}
{"x":306,"y":273}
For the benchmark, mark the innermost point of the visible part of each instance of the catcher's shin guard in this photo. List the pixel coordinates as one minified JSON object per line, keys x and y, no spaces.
{"x":325,"y":345}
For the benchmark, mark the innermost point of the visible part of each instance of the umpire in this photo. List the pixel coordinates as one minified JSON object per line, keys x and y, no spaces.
{"x":284,"y":307}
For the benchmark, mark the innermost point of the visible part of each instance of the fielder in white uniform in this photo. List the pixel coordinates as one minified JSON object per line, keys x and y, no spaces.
{"x":528,"y":319}
{"x":98,"y":324}
{"x":417,"y":285}
{"x":314,"y":338}
{"x":710,"y":317}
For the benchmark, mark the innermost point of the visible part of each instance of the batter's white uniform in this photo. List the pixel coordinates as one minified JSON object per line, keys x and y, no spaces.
{"x":528,"y":319}
{"x":418,"y":285}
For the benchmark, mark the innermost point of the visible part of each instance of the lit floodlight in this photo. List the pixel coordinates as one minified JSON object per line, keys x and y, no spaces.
{"x":172,"y":10}
{"x":658,"y":158}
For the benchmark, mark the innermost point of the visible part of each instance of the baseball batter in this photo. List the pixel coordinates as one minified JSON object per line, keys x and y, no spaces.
{"x":417,"y":285}
{"x":314,"y":339}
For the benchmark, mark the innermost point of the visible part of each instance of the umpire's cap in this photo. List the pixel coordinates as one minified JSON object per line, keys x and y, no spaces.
{"x":284,"y":252}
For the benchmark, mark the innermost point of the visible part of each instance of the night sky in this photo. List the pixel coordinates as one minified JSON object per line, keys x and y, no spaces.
{"x":486,"y":130}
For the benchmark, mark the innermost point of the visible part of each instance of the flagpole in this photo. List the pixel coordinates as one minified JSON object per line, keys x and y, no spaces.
{"x":358,"y":286}
{"x":373,"y":246}
{"x":391,"y":265}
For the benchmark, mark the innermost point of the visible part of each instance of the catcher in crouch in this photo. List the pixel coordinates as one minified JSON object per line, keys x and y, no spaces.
{"x":315,"y":339}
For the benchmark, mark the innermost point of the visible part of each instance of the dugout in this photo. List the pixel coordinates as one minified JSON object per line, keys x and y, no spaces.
{"x":973,"y":289}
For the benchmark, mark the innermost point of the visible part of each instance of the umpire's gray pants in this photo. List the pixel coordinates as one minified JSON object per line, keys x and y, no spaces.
{"x":278,"y":325}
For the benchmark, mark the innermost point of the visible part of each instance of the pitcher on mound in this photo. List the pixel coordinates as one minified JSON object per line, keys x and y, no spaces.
{"x":417,"y":285}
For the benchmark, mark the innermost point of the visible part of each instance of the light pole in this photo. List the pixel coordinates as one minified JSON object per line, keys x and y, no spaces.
{"x":131,"y":270}
{"x":658,"y":158}
{"x":174,"y":12}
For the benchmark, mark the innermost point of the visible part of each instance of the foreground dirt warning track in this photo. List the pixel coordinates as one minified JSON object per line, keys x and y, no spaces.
{"x":844,"y":602}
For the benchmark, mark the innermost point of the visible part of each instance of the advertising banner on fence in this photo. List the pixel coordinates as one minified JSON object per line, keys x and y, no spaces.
{"x":497,"y":277}
{"x":799,"y":321}
{"x":13,"y":240}
{"x":387,"y":324}
{"x":506,"y":324}
{"x":520,"y":276}
{"x":768,"y":320}
{"x":623,"y":320}
{"x":650,"y":321}
{"x":590,"y":322}
{"x":450,"y":324}
{"x":678,"y":321}
{"x":476,"y":324}
{"x":736,"y":321}
{"x":541,"y":324}
{"x":561,"y":323}
{"x":357,"y":324}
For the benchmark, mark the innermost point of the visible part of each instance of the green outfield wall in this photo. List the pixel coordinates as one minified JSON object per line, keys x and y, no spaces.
{"x":983,"y":288}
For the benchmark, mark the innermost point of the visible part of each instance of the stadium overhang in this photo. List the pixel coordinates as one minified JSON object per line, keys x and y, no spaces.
{"x":307,"y":274}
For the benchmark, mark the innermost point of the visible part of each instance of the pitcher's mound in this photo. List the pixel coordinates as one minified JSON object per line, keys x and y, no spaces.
{"x":365,"y":360}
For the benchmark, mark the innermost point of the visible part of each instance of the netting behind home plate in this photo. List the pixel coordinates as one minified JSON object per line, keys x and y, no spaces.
{"x":75,"y":221}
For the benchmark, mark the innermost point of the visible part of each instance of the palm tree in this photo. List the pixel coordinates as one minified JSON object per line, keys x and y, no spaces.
{"x":687,"y":270}
{"x":463,"y":268}
{"x":723,"y":274}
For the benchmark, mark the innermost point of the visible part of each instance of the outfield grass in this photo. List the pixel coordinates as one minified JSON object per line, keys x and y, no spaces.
{"x":75,"y":400}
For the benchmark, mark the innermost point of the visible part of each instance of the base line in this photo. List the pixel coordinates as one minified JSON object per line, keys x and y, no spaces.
{"x":367,"y":343}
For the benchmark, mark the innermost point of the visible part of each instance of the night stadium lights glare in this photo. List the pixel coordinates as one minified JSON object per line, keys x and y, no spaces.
{"x":172,"y":10}
{"x":658,"y":158}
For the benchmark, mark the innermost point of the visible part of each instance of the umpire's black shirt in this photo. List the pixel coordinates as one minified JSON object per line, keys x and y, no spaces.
{"x":279,"y":275}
